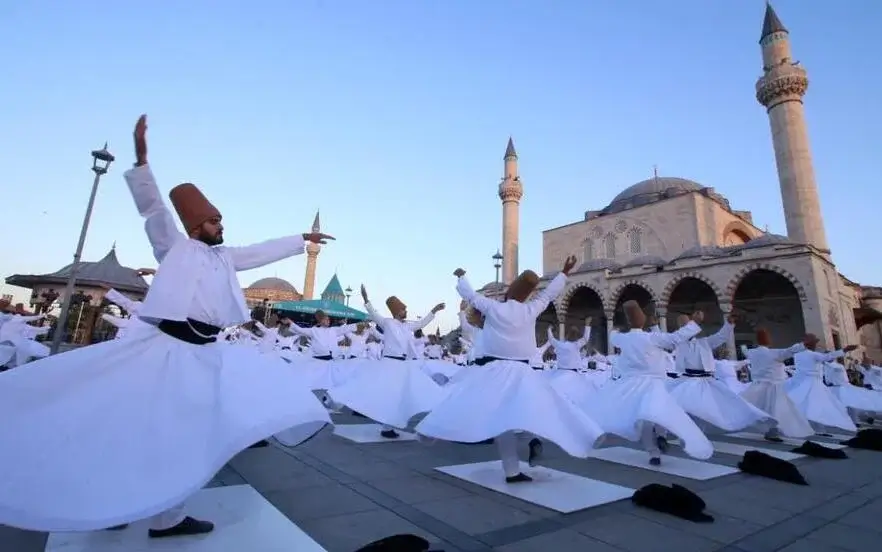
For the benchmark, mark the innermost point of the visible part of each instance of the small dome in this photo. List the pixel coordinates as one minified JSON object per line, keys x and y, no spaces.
{"x":650,"y":191}
{"x":766,"y":240}
{"x":493,"y":286}
{"x":276,"y":284}
{"x":646,"y":260}
{"x":701,"y":251}
{"x":596,"y":264}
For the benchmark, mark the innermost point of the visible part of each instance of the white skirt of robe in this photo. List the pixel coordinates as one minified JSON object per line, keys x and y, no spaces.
{"x":733,"y":383}
{"x":624,"y":405}
{"x":6,"y":353}
{"x":506,"y":396}
{"x":711,"y":401}
{"x":119,"y":431}
{"x":434,"y":366}
{"x":772,"y":398}
{"x":325,"y":374}
{"x":858,"y":398}
{"x":26,"y":349}
{"x":817,"y":403}
{"x":576,"y":386}
{"x":389,"y":391}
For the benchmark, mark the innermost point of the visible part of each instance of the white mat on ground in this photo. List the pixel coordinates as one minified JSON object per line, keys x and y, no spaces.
{"x":786,"y":440}
{"x":243,"y":520}
{"x":370,"y":433}
{"x":671,"y":465}
{"x":552,"y":489}
{"x":738,"y":450}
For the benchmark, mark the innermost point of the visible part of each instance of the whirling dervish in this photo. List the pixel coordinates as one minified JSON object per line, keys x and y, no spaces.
{"x":637,"y":405}
{"x":502,"y":394}
{"x":810,"y":394}
{"x":150,"y":419}
{"x":393,"y":389}
{"x":767,"y":392}
{"x":701,"y":395}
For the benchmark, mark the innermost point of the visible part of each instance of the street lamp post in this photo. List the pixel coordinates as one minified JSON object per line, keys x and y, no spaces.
{"x":101,"y":160}
{"x":348,"y":292}
{"x":497,"y":263}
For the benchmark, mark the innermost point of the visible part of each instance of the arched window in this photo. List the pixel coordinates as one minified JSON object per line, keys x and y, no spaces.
{"x":635,"y":242}
{"x":589,"y":250}
{"x":609,"y":242}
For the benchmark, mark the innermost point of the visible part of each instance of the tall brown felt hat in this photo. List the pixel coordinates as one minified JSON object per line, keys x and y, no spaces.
{"x":192,"y":206}
{"x":521,"y":288}
{"x":394,"y":304}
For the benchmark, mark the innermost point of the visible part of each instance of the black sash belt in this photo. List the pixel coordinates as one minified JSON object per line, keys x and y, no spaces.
{"x":400,"y":358}
{"x":323,"y":357}
{"x":673,"y":375}
{"x":697,"y":374}
{"x":189,"y":331}
{"x":488,"y":359}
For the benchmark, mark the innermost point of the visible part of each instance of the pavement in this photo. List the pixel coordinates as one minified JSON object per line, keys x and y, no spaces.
{"x":345,"y":495}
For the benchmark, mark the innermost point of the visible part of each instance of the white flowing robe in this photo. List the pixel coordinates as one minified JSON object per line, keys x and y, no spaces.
{"x":137,"y":425}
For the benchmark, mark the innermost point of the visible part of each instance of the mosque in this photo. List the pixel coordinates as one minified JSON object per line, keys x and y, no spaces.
{"x":277,"y":293}
{"x":675,"y":245}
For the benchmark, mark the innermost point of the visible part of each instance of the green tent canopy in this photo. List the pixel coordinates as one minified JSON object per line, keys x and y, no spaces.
{"x":331,"y":308}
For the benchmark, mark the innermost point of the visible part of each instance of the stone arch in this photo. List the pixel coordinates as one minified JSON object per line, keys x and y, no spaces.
{"x":563,"y":302}
{"x":689,"y":292}
{"x":550,"y":317}
{"x":739,"y":229}
{"x":632,"y":289}
{"x":672,"y":285}
{"x":769,"y":297}
{"x":584,"y":301}
{"x":745,"y":271}
{"x":617,"y":293}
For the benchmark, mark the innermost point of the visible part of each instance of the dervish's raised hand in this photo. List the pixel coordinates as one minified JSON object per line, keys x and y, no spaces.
{"x":459,"y":273}
{"x":364,"y":293}
{"x":438,"y":307}
{"x":140,"y":136}
{"x":569,"y":263}
{"x":318,"y":237}
{"x":698,"y":317}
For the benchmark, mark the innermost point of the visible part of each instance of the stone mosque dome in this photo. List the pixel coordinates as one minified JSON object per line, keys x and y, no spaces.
{"x":650,"y":191}
{"x":276,"y":284}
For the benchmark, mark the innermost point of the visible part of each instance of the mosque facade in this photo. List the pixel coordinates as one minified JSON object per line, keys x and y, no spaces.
{"x":677,"y":246}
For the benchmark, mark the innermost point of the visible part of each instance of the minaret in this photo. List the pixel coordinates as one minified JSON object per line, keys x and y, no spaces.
{"x":510,"y":192}
{"x":780,"y":90}
{"x":312,"y":252}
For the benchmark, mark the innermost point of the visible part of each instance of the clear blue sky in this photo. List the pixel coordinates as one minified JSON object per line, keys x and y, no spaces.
{"x":392,"y":117}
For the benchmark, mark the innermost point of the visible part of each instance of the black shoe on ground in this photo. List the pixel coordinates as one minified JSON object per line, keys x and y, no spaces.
{"x":189,"y":526}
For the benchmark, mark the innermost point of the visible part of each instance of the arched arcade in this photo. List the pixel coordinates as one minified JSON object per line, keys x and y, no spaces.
{"x":583,"y":303}
{"x":691,"y":293}
{"x":771,"y":299}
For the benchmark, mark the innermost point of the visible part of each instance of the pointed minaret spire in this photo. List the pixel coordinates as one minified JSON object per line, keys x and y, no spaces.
{"x":113,"y":247}
{"x":771,"y":23}
{"x":510,"y":150}
{"x":316,"y":223}
{"x":511,"y":190}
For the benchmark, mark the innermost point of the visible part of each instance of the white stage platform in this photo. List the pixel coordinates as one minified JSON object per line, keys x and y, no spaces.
{"x":670,"y":465}
{"x":243,"y":520}
{"x":738,"y":450}
{"x":825,"y":441}
{"x":552,"y":489}
{"x":370,"y":433}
